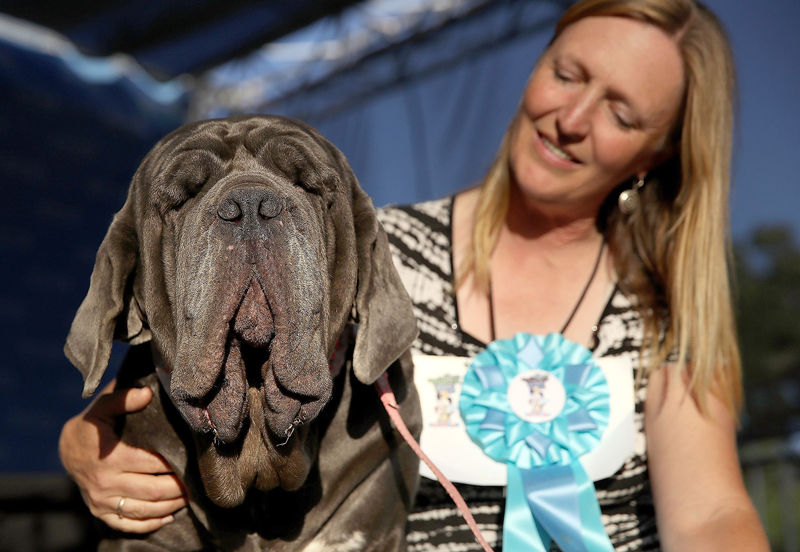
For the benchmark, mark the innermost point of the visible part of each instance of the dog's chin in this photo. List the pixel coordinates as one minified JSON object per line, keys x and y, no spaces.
{"x":257,"y":454}
{"x":229,"y":471}
{"x":250,"y":430}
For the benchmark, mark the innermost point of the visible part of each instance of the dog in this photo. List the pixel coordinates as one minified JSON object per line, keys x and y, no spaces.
{"x":244,"y":252}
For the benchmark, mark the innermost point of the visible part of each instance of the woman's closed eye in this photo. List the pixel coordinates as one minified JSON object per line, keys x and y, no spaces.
{"x":622,"y":121}
{"x":562,"y":74}
{"x":622,"y":118}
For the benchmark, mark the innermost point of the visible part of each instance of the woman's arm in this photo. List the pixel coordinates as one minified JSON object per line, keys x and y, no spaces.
{"x":106,"y":469}
{"x":700,"y":499}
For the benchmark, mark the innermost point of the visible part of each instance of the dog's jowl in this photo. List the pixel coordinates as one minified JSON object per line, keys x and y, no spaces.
{"x":245,"y":252}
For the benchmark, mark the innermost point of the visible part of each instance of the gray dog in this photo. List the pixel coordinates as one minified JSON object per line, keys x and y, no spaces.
{"x":245,"y":252}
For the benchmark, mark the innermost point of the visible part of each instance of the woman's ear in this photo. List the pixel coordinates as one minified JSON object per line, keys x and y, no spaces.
{"x":656,"y":159}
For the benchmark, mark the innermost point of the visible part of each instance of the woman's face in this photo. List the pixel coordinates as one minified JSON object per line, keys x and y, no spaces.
{"x":599,"y":109}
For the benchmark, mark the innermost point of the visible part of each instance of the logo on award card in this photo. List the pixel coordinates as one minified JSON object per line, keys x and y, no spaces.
{"x":536,"y":396}
{"x":446,"y":406}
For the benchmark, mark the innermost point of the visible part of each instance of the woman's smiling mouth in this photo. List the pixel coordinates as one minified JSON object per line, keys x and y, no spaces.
{"x":553,"y":153}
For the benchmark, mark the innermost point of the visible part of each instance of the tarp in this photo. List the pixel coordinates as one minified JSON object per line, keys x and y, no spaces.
{"x":416,"y":94}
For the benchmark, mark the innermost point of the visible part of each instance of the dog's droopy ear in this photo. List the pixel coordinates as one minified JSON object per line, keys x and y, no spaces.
{"x":386,"y":322}
{"x":109,"y":308}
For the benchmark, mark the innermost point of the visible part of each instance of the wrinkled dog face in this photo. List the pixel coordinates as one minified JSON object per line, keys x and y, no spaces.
{"x":245,"y":248}
{"x":246,"y":227}
{"x":233,"y":232}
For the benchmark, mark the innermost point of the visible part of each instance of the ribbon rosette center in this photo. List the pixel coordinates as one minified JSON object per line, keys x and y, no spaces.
{"x":536,"y":396}
{"x":538,"y":403}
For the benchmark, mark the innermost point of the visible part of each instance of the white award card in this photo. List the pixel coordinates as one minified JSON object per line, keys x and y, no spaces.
{"x":445,"y":440}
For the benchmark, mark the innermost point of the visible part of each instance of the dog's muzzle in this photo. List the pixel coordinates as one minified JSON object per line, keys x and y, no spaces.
{"x":256,"y":320}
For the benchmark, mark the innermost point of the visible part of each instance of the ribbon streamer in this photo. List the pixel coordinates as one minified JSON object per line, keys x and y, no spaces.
{"x":537,"y":403}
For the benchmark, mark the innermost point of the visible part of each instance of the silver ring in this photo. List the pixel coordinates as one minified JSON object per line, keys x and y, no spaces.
{"x":119,"y":507}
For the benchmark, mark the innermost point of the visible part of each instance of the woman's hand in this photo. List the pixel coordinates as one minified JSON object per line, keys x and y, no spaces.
{"x":107,"y":470}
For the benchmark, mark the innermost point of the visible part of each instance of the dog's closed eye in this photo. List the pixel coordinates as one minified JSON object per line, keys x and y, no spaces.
{"x":303,"y":162}
{"x":187,"y":175}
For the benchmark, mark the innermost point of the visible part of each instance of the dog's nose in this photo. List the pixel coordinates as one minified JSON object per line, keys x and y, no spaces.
{"x":250,"y":203}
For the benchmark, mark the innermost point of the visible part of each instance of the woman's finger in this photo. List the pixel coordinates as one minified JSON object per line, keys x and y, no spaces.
{"x":129,"y":525}
{"x":109,"y":406}
{"x":135,"y":460}
{"x":151,"y":488}
{"x":144,"y":509}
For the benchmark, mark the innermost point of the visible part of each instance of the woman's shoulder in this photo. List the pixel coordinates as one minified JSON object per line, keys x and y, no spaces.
{"x":420,"y":240}
{"x":419,"y":226}
{"x":436,"y":211}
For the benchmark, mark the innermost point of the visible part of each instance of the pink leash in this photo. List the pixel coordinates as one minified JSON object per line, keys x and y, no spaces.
{"x":390,"y":403}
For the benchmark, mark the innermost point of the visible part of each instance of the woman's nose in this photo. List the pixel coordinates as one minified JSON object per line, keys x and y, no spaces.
{"x":573,"y":122}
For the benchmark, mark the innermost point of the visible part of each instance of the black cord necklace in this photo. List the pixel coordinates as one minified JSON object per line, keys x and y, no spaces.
{"x":575,"y":308}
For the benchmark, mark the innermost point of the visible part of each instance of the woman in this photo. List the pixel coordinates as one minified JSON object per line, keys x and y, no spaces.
{"x":632,"y":99}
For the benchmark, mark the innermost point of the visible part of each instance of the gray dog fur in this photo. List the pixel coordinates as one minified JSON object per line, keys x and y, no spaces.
{"x":243,"y":249}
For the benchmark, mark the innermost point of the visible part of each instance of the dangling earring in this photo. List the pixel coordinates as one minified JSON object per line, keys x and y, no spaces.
{"x":629,"y":199}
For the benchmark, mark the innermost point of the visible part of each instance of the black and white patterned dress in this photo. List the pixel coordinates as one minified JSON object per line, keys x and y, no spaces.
{"x":420,"y":240}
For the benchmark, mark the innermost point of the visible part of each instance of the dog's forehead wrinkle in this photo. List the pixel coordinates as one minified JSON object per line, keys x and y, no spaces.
{"x":245,"y":160}
{"x":184,"y":174}
{"x":214,"y":138}
{"x":298,"y":158}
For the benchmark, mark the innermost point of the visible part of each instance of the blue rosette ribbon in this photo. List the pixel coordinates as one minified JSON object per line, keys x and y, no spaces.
{"x":549,"y":496}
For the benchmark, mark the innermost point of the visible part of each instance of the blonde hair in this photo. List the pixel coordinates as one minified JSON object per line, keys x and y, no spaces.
{"x":673,"y":254}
